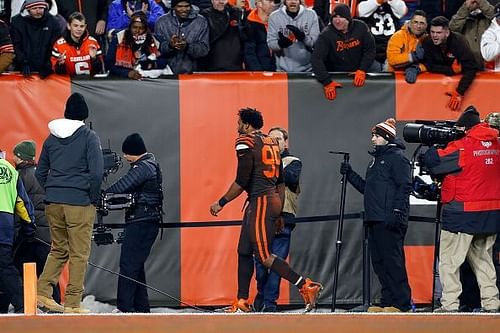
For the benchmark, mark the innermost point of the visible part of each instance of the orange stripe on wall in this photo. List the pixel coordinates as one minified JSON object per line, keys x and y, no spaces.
{"x":208,"y":167}
{"x":426,"y":98}
{"x":419,"y":260}
{"x":27,"y":105}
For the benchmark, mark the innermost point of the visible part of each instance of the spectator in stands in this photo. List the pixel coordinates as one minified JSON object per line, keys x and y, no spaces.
{"x":472,"y":20}
{"x":201,"y":4}
{"x":344,"y":46}
{"x":225,"y":25}
{"x":5,"y":9}
{"x":257,"y":55}
{"x":76,"y":53}
{"x":120,"y":12}
{"x":404,"y":49}
{"x":133,"y":47}
{"x":33,"y":33}
{"x":386,"y":189}
{"x":448,"y":53}
{"x":70,"y":169}
{"x":183,"y":36}
{"x":164,"y":5}
{"x":32,"y":250}
{"x":13,"y":201}
{"x":6,"y":47}
{"x":53,"y":10}
{"x":95,"y":12}
{"x":292,"y":32}
{"x":382,"y":18}
{"x":268,"y":282}
{"x":490,"y":42}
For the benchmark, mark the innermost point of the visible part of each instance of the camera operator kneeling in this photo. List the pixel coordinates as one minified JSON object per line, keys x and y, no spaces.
{"x":470,"y":195}
{"x":142,"y":222}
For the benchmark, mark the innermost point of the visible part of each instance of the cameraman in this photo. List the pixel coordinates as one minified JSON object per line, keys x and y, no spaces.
{"x":470,"y":195}
{"x":386,"y":199}
{"x":142,"y":222}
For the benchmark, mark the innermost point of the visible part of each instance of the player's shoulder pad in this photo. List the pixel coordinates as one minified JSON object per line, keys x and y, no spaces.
{"x":245,"y":141}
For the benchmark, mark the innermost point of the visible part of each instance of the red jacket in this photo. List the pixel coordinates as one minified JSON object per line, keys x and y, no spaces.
{"x":470,"y":191}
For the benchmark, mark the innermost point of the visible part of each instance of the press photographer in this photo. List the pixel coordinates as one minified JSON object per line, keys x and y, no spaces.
{"x":470,"y":195}
{"x":142,"y":221}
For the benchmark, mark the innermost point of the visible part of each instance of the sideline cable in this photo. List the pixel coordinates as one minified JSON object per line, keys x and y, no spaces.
{"x":138,"y":282}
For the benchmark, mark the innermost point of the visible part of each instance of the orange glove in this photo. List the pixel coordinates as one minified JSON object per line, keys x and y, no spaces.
{"x":380,"y":2}
{"x":330,"y":90}
{"x":456,"y":67}
{"x":359,"y":78}
{"x":455,"y":100}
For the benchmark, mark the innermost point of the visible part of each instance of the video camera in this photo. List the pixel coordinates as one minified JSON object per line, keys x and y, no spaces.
{"x":428,"y":133}
{"x":432,"y":133}
{"x":109,"y":201}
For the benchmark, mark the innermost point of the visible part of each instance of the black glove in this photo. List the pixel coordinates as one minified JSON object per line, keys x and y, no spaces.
{"x":418,"y":54}
{"x":26,"y":69}
{"x":283,"y":41}
{"x":299,"y":34}
{"x":45,"y":71}
{"x":345,"y":168}
{"x":395,"y":221}
{"x":411,"y":73}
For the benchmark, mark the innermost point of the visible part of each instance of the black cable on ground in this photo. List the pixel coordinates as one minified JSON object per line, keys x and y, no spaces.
{"x":138,"y":282}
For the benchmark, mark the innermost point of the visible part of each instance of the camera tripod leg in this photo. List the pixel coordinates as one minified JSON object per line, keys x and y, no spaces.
{"x":435,"y":263}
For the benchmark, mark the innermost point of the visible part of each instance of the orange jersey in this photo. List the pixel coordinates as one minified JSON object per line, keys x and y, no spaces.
{"x":78,"y":60}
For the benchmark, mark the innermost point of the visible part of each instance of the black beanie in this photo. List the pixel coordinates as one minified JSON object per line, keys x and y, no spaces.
{"x":76,"y":107}
{"x":469,"y":118}
{"x":342,"y":10}
{"x":174,"y":3}
{"x":134,"y":145}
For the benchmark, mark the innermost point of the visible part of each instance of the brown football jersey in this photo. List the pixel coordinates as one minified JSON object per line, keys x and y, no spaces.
{"x":259,"y":163}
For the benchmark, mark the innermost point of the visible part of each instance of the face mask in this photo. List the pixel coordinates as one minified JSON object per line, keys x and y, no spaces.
{"x":140,"y":39}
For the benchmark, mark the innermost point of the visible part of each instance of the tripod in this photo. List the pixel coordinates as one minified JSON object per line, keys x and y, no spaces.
{"x":338,"y":243}
{"x":437,"y":235}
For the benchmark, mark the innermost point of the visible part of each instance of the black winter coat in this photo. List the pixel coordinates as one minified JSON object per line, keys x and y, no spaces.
{"x":33,"y":40}
{"x":37,"y":196}
{"x":257,"y":55}
{"x":387,"y":185}
{"x":94,"y":10}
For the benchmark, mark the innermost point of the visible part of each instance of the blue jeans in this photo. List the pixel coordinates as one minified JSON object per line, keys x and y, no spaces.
{"x":268,"y":282}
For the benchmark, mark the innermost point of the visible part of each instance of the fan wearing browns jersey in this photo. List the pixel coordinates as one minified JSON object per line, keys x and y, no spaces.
{"x":386,"y":190}
{"x":76,"y":53}
{"x":260,"y":174}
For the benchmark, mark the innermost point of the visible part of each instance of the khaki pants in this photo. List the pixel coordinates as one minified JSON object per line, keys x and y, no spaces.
{"x":71,"y":232}
{"x":477,"y":249}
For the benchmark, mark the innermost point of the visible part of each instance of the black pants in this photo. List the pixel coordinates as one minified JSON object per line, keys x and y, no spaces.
{"x":10,"y":281}
{"x":388,"y":260}
{"x":137,"y":242}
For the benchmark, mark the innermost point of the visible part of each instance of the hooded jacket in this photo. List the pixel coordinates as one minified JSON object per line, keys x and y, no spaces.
{"x":387,"y":185}
{"x":470,"y":190}
{"x":296,"y":57}
{"x":399,"y":48}
{"x":195,"y":31}
{"x":119,"y":20}
{"x":490,"y":45}
{"x":33,"y":40}
{"x":440,"y":58}
{"x":338,"y":52}
{"x":257,"y":55}
{"x":71,"y":164}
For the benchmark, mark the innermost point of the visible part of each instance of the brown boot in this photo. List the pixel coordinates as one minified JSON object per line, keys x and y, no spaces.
{"x":76,"y":310}
{"x":310,"y":292}
{"x":47,"y":304}
{"x":375,"y":309}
